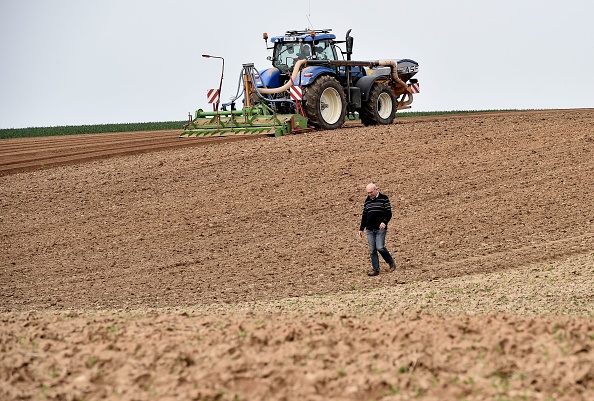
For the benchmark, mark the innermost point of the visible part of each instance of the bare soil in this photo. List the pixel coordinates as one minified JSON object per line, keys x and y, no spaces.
{"x":30,"y":154}
{"x":231,"y":269}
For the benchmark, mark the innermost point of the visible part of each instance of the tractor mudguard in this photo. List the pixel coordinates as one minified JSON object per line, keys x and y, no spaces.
{"x":365,"y":84}
{"x":270,"y":78}
{"x":309,"y":74}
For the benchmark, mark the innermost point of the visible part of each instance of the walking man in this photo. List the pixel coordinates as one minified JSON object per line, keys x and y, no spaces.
{"x":377,"y":212}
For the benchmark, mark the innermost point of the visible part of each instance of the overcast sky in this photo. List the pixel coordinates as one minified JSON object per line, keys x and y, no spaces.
{"x":71,"y":62}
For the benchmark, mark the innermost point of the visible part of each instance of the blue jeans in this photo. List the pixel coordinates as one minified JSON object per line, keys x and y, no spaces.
{"x":376,"y":240}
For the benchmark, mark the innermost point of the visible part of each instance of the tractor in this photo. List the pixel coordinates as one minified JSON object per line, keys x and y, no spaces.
{"x":312,"y":84}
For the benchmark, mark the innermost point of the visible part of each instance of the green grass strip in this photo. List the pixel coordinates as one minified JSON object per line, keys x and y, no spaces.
{"x":89,"y":129}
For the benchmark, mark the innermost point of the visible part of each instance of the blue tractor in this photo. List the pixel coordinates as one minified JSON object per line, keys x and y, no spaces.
{"x":332,"y":84}
{"x":312,"y":84}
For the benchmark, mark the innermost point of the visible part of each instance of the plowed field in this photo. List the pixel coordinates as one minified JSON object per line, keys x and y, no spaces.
{"x":229,"y":269}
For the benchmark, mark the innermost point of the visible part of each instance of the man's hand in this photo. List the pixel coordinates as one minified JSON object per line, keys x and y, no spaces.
{"x":360,"y":234}
{"x":382,"y":226}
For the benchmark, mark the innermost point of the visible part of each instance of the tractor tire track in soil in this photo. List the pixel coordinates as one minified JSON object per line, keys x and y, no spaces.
{"x":233,"y":271}
{"x":29,"y":154}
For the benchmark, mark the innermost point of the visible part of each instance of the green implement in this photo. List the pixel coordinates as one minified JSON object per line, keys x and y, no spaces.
{"x":258,"y":119}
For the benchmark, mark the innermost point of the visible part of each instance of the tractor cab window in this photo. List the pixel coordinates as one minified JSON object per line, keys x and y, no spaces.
{"x":304,"y":51}
{"x":283,"y":53}
{"x":286,"y":54}
{"x":324,"y":50}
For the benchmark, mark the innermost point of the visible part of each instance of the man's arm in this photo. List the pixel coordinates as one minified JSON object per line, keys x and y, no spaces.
{"x":363,"y":217}
{"x":363,"y":221}
{"x":387,"y":211}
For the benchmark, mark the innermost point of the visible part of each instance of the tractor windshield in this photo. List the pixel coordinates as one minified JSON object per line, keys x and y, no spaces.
{"x":286,"y":54}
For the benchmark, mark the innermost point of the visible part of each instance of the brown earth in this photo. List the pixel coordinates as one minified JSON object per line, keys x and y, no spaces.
{"x":232,"y":270}
{"x":30,"y":154}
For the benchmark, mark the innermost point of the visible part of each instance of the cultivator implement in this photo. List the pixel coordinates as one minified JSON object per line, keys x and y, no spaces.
{"x":253,"y":120}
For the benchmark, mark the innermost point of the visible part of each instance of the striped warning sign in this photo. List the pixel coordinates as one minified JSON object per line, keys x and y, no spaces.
{"x":415,"y":88}
{"x":212,"y":95}
{"x":296,"y":93}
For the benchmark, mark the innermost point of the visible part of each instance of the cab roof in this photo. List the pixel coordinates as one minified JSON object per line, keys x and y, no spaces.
{"x":304,"y":35}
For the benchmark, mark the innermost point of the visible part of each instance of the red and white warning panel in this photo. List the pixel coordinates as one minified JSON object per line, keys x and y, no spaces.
{"x":213,"y":95}
{"x":415,"y":88}
{"x":296,"y":93}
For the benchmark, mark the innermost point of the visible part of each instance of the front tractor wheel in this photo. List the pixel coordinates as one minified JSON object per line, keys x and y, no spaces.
{"x":381,"y":106}
{"x":325,"y":103}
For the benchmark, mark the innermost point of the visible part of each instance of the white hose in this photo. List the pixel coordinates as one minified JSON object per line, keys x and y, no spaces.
{"x":394,"y":69}
{"x":296,"y":71}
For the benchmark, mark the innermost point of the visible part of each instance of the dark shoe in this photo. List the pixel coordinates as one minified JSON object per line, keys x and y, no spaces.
{"x":392,"y":266}
{"x":372,"y":273}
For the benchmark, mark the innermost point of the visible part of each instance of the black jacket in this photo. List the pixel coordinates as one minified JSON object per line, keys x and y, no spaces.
{"x":376,"y":211}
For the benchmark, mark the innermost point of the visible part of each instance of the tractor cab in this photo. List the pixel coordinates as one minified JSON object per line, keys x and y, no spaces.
{"x":296,"y":45}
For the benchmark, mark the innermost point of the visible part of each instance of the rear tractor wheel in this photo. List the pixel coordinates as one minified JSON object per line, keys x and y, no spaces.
{"x":381,"y":106}
{"x":325,"y":103}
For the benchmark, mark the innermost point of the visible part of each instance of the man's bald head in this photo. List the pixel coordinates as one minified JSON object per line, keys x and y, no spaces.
{"x":371,"y":190}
